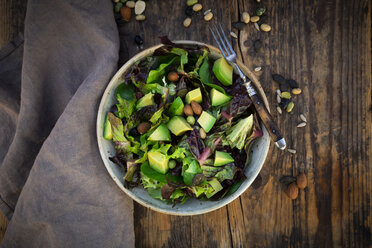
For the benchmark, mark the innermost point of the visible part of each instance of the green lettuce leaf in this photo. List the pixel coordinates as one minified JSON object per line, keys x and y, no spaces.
{"x":155,"y":75}
{"x":183,"y":57}
{"x":237,"y":134}
{"x":206,"y":78}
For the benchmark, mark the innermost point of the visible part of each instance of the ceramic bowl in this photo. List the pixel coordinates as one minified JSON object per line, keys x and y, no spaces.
{"x":140,"y":195}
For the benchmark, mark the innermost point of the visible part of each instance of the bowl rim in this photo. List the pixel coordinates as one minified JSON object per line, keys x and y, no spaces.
{"x":147,"y":52}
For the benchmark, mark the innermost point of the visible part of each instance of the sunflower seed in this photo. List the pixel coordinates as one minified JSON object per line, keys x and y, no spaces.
{"x":291,"y":150}
{"x":278,"y":92}
{"x":259,"y":68}
{"x":278,"y":98}
{"x":302,"y":124}
{"x":207,"y":11}
{"x":256,"y":26}
{"x":279,"y":110}
{"x":233,"y":35}
{"x":302,"y":117}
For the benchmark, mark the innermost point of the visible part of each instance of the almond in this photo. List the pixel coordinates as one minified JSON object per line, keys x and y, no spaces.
{"x":143,"y":127}
{"x":196,"y":108}
{"x":125,"y":13}
{"x":188,"y":110}
{"x":292,"y":191}
{"x":173,"y":76}
{"x":301,"y":180}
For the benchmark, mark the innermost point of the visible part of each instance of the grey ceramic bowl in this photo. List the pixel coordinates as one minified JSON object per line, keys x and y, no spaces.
{"x":140,"y":195}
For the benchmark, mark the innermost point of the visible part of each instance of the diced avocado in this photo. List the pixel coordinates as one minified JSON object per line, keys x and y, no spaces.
{"x":223,"y":71}
{"x":215,"y":185}
{"x":222,"y":158}
{"x":158,"y":161}
{"x":194,"y":95}
{"x":176,"y":108}
{"x":107,"y":130}
{"x":218,"y":98}
{"x":206,"y":121}
{"x":146,"y":100}
{"x":178,"y":125}
{"x":161,"y":133}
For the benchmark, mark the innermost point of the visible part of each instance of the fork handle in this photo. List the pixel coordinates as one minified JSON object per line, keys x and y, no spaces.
{"x":266,"y":118}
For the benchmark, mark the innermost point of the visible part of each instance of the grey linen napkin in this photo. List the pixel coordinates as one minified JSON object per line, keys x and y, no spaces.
{"x":53,"y":184}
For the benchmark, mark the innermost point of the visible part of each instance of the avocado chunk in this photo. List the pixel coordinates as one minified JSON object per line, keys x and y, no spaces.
{"x":107,"y":130}
{"x":222,"y":158}
{"x":218,"y":98}
{"x":161,"y":133}
{"x":206,"y":121}
{"x":223,"y":71}
{"x":176,"y":108}
{"x":194,"y":95}
{"x":178,"y":125}
{"x":158,"y":161}
{"x":215,"y":185}
{"x":146,"y":100}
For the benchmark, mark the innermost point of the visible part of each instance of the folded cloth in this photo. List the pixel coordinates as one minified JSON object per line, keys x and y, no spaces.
{"x":53,"y":184}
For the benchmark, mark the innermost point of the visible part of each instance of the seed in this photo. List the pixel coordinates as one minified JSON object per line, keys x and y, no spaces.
{"x":258,"y":1}
{"x":172,"y":164}
{"x":116,"y":1}
{"x":202,"y":133}
{"x":197,"y":7}
{"x":292,"y":83}
{"x":188,"y":110}
{"x":125,"y":13}
{"x":296,"y":91}
{"x":187,"y":22}
{"x":292,"y":191}
{"x":278,"y":92}
{"x":140,"y":17}
{"x":208,"y":16}
{"x":302,"y":124}
{"x":138,"y":40}
{"x":238,"y":25}
{"x":207,"y":11}
{"x":302,"y":117}
{"x":246,"y":17}
{"x":255,"y":18}
{"x":256,"y":26}
{"x":265,"y":27}
{"x":301,"y":181}
{"x":140,"y":7}
{"x":190,"y":119}
{"x":278,"y":78}
{"x":191,"y":2}
{"x":189,"y":11}
{"x":233,"y":35}
{"x":143,"y":127}
{"x":118,"y":7}
{"x":260,"y":11}
{"x":259,"y":68}
{"x":130,"y":4}
{"x":173,"y":76}
{"x":286,"y":95}
{"x":291,"y":150}
{"x":289,"y":107}
{"x":279,"y":110}
{"x":196,"y":108}
{"x":278,"y":99}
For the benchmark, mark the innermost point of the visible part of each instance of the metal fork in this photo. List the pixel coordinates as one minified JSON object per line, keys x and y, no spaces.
{"x":230,"y":56}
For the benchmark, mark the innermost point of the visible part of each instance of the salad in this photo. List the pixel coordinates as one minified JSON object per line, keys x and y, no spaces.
{"x":183,"y":125}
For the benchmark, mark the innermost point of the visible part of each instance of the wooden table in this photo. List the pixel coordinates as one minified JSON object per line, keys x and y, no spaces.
{"x":326,"y":47}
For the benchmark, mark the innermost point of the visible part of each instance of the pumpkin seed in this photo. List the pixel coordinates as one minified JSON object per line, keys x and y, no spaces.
{"x":302,"y":124}
{"x":233,"y":35}
{"x":255,"y":18}
{"x":246,"y":17}
{"x":296,"y":91}
{"x":278,"y":78}
{"x":259,"y":68}
{"x":289,"y":107}
{"x":265,"y":27}
{"x":187,"y":22}
{"x":279,"y":110}
{"x":293,"y":151}
{"x":197,"y":7}
{"x":286,"y":95}
{"x":303,"y":118}
{"x":191,"y":2}
{"x":292,"y":83}
{"x":260,"y":11}
{"x":256,"y":26}
{"x":140,"y":7}
{"x":208,"y":16}
{"x":238,"y":25}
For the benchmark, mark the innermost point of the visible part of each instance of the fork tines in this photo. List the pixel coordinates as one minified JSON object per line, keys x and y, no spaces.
{"x":222,"y":41}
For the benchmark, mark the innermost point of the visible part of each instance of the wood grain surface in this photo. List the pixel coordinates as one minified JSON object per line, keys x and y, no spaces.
{"x":326,"y":47}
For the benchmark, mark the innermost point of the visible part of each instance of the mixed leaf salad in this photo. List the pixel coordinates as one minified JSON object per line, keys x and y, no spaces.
{"x":183,"y":125}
